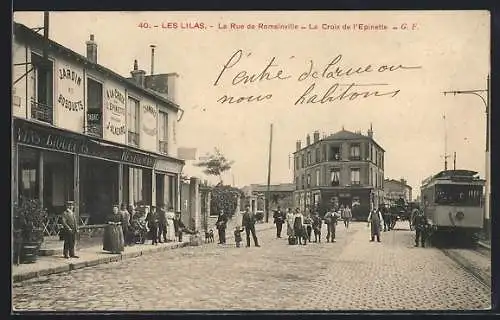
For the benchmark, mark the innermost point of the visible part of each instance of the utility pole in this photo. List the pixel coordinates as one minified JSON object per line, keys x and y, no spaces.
{"x":268,"y":193}
{"x":446,"y":156}
{"x":484,"y":95}
{"x":454,"y":161}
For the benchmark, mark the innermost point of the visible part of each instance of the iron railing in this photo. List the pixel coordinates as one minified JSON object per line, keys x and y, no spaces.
{"x":163,"y":147}
{"x":94,"y":130}
{"x":41,"y":111}
{"x":133,"y":138}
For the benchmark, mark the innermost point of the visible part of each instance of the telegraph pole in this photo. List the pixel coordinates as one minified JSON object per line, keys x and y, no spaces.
{"x":484,"y":95}
{"x":268,"y":193}
{"x":446,"y":156}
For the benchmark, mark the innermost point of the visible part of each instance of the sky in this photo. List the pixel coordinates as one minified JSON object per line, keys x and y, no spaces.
{"x":430,"y":52}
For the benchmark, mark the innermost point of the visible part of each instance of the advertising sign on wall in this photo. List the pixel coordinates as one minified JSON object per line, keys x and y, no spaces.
{"x":69,"y":102}
{"x":149,"y":126}
{"x":114,"y":113}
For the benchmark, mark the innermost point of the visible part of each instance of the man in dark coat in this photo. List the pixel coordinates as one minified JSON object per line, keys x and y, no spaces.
{"x":221,"y":225}
{"x":69,"y":224}
{"x":279,"y":218}
{"x":420,"y":224}
{"x":248,"y":221}
{"x":152,"y":218}
{"x":162,"y":224}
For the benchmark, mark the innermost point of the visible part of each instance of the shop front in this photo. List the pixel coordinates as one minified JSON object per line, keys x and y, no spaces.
{"x":56,"y":166}
{"x":167,"y":174}
{"x":358,"y":199}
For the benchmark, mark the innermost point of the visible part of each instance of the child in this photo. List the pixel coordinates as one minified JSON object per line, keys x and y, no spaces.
{"x":317,"y":227}
{"x":237,"y":235}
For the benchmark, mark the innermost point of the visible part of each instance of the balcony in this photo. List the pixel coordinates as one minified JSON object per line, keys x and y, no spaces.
{"x":335,"y":157}
{"x":163,"y":146}
{"x":335,"y":183}
{"x":41,"y":111}
{"x":355,"y":183}
{"x":355,"y":158}
{"x":133,"y":139}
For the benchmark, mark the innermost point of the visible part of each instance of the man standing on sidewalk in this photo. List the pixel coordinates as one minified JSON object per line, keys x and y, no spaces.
{"x":279,"y":219}
{"x":248,"y":221}
{"x":375,"y":222}
{"x":69,"y":231}
{"x":331,"y":219}
{"x":420,"y":224}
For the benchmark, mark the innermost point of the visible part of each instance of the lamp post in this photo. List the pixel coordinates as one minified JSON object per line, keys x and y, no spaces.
{"x":484,"y":95}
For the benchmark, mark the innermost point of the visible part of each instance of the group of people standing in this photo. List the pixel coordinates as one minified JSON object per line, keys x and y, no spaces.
{"x":247,"y":224}
{"x":302,"y":224}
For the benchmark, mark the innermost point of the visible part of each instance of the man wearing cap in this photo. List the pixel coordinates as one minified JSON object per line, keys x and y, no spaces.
{"x":69,"y":231}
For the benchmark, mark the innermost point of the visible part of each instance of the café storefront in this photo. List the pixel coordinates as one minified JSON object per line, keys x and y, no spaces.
{"x":55,"y":166}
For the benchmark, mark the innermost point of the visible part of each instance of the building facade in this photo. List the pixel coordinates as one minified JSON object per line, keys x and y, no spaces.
{"x":84,"y":133}
{"x":395,"y":190}
{"x":345,"y":168}
{"x":279,"y":194}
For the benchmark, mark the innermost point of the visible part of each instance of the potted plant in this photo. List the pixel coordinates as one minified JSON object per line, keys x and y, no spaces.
{"x":29,"y":216}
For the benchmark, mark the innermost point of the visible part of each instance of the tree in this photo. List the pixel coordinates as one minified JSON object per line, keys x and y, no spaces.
{"x":225,"y":198}
{"x":216,"y":165}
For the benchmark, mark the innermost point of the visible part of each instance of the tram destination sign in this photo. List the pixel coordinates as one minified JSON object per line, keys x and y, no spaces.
{"x":46,"y":138}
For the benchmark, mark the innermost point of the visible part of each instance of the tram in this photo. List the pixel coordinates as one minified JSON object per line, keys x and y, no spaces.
{"x":452,"y":201}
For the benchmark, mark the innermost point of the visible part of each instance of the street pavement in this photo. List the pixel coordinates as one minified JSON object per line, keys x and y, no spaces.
{"x":351,"y":274}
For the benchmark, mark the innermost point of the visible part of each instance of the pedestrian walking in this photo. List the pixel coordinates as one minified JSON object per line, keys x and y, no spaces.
{"x":347,"y":216}
{"x":316,"y":224}
{"x":179,"y":226}
{"x":221,"y":225}
{"x":421,"y":225}
{"x":237,"y":235}
{"x":375,"y":222}
{"x":298,"y":227}
{"x":162,"y":224}
{"x":152,"y":219}
{"x":248,"y":221}
{"x":386,"y":216}
{"x":331,"y":220}
{"x":279,"y":218}
{"x":69,"y":231}
{"x":308,"y":226}
{"x":113,"y":233}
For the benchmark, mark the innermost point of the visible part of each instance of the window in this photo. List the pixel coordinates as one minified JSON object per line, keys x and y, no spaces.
{"x":318,"y":178}
{"x":334,"y":153}
{"x":303,"y":160}
{"x":303,"y":179}
{"x":297,"y":163}
{"x":94,"y":107}
{"x":324,"y":152}
{"x":309,"y":159}
{"x":308,"y":180}
{"x":465,"y":195}
{"x":355,"y":152}
{"x":163,"y":132}
{"x":355,"y":176}
{"x":42,"y":101}
{"x":317,"y":156}
{"x":297,"y":182}
{"x":370,"y":177}
{"x":133,"y":121}
{"x":335,"y":177}
{"x":28,"y":172}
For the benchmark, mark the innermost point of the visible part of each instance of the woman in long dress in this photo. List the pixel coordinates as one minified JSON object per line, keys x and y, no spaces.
{"x":289,"y":223}
{"x":113,"y":240}
{"x":170,"y":215}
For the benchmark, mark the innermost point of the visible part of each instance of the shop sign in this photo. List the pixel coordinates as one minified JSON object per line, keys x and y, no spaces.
{"x":114,"y":114}
{"x":344,"y":195}
{"x":94,"y":117}
{"x":138,"y":158}
{"x":168,"y":166}
{"x":70,"y":91}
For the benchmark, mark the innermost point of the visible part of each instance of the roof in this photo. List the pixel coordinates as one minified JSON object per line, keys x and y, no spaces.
{"x":398,"y":182}
{"x":345,"y":135}
{"x":283,"y":187}
{"x":21,"y":30}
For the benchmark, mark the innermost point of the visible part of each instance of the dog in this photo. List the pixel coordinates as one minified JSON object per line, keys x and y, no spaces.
{"x":209,"y":236}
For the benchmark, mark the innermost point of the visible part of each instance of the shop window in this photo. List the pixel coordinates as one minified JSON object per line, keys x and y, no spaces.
{"x":163,"y":132}
{"x":355,"y":152}
{"x":43,"y":99}
{"x":94,"y":108}
{"x":355,"y":176}
{"x":28,"y":173}
{"x":335,"y":177}
{"x":133,"y":122}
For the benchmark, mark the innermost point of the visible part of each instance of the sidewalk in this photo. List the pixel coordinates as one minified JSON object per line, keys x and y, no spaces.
{"x":92,"y":256}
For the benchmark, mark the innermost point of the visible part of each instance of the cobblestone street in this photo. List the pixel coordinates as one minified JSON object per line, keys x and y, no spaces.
{"x":351,"y":274}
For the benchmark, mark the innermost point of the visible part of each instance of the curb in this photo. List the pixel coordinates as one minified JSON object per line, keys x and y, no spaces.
{"x":484,"y":245}
{"x":93,"y":262}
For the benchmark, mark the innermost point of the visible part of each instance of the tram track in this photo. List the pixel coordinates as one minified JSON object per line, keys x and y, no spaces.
{"x":464,"y":258}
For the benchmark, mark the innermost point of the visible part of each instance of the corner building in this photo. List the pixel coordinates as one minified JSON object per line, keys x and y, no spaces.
{"x":82,"y":132}
{"x":345,"y":168}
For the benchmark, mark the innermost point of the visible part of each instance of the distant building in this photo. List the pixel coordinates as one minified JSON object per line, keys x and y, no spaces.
{"x":280,"y":195}
{"x":395,"y":190}
{"x":345,"y":168}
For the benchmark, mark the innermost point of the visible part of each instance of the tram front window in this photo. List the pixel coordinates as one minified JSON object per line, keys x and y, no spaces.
{"x":458,"y":195}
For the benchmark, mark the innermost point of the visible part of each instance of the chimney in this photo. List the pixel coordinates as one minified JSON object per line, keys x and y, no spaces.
{"x":152,"y":58}
{"x":138,"y":75}
{"x":316,"y":136}
{"x":297,"y":145}
{"x":370,"y":131}
{"x":403,"y":181}
{"x":91,"y":49}
{"x":308,"y":140}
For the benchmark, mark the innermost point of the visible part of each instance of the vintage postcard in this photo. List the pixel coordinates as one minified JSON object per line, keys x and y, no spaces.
{"x":257,"y":160}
